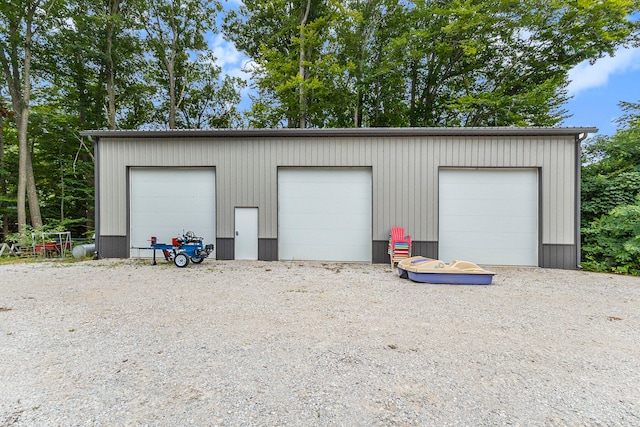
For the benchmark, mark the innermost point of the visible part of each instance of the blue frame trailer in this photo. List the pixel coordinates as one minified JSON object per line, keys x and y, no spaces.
{"x":182,"y":249}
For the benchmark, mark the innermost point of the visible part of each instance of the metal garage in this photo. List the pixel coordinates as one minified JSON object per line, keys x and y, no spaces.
{"x":489,"y":215}
{"x":324,"y":214}
{"x":504,"y":195}
{"x":166,"y":202}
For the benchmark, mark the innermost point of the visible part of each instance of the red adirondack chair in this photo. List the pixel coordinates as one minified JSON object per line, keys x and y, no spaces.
{"x":399,"y":245}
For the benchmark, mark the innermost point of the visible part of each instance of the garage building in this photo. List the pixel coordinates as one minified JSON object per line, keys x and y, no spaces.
{"x":494,"y":196}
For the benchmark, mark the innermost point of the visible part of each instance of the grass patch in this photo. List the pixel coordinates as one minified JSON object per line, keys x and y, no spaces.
{"x":16,"y":260}
{"x":30,"y":259}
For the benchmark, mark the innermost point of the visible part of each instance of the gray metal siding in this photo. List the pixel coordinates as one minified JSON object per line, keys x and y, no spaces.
{"x":112,"y":247}
{"x":225,"y":248}
{"x":404,"y":174}
{"x":559,"y":256}
{"x":268,"y":249}
{"x":425,"y":249}
{"x":380,"y":254}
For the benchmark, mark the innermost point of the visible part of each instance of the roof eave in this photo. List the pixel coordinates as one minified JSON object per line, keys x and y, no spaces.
{"x":338,"y":132}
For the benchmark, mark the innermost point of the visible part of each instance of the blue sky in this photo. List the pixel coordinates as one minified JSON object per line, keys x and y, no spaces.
{"x":595,"y":90}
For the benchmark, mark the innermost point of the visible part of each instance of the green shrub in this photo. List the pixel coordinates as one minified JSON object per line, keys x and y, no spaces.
{"x":602,"y":193}
{"x":612,"y":242}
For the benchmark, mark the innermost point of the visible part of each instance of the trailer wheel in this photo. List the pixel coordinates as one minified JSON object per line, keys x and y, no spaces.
{"x":181,"y":260}
{"x":196,"y":259}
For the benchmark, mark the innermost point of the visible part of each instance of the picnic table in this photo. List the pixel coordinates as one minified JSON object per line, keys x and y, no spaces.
{"x":11,"y":250}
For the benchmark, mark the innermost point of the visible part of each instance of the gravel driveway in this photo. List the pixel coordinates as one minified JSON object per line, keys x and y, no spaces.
{"x":123,"y":343}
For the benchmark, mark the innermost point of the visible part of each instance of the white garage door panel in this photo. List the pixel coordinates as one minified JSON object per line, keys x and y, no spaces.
{"x":486,"y":224}
{"x":324,"y":215}
{"x":323,"y":237}
{"x":310,"y":221}
{"x":489,"y":216}
{"x":517,"y":208}
{"x":165,"y":202}
{"x":470,"y":240}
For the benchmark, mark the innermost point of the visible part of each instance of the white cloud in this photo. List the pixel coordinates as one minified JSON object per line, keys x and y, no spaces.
{"x":229,"y":59}
{"x":585,"y":76}
{"x":233,"y":63}
{"x":226,"y":53}
{"x":227,"y":56}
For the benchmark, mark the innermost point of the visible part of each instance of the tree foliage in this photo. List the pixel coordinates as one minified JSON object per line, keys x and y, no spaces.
{"x":23,"y":24}
{"x":611,"y":199}
{"x":174,"y":36}
{"x":612,"y":242}
{"x":71,"y":65}
{"x":422,"y":62}
{"x":211,"y":101}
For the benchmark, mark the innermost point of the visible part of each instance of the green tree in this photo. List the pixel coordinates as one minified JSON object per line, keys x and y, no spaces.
{"x":211,"y":102}
{"x":22,"y":23}
{"x":174,"y":35}
{"x":612,"y":242}
{"x":95,"y":65}
{"x":631,"y":114}
{"x":5,"y":198}
{"x":422,"y":63}
{"x":610,"y":192}
{"x":502,"y":63}
{"x":66,"y":195}
{"x":92,"y":54}
{"x":283,"y":38}
{"x":372,"y":71}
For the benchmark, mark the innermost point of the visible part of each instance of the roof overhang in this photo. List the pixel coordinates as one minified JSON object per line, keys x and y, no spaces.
{"x":342,"y":132}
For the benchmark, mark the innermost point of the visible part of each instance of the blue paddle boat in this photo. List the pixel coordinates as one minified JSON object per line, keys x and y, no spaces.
{"x":427,"y":270}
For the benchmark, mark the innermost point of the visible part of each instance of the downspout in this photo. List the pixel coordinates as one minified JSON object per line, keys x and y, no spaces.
{"x":579,"y":139}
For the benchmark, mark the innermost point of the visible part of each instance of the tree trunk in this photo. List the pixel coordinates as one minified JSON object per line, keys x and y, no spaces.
{"x":301,"y":70}
{"x":26,"y":181}
{"x":32,"y":194}
{"x":172,"y":97}
{"x":20,"y":90}
{"x":111,"y":72}
{"x":22,"y":118}
{"x":358,"y":114}
{"x":171,"y":72}
{"x":413,"y":119}
{"x":4,"y":218}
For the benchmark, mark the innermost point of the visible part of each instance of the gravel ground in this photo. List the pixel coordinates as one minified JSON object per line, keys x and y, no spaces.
{"x":123,"y":343}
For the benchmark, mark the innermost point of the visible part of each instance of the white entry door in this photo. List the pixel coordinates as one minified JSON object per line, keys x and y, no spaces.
{"x":246,"y":235}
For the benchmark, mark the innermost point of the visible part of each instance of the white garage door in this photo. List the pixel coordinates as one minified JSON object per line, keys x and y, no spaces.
{"x":165,"y":202}
{"x":489,"y":216}
{"x":324,"y":214}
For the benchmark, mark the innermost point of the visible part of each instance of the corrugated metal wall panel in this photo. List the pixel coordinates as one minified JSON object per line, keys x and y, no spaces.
{"x":405,"y":175}
{"x":549,"y":195}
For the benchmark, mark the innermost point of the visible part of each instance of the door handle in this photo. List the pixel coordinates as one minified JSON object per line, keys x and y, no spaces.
{"x":237,"y":234}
